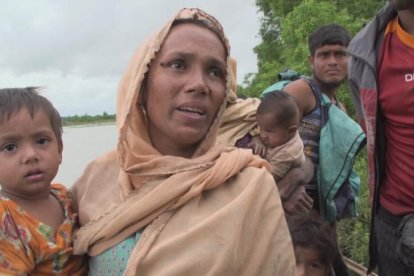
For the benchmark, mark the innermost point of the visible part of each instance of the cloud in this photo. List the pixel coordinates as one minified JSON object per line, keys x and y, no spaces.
{"x":79,"y":50}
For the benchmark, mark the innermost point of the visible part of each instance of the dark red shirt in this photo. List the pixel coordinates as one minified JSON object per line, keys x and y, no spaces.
{"x":396,"y":86}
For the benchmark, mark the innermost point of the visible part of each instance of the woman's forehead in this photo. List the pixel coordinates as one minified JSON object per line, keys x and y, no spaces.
{"x":187,"y":28}
{"x":188,"y":39}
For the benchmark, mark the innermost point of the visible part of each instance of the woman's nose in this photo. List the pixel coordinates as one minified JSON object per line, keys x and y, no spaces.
{"x":197,"y":81}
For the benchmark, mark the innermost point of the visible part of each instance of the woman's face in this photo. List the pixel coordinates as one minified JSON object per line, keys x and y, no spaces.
{"x":186,"y":86}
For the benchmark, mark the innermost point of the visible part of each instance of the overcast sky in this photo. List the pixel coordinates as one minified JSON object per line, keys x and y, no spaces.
{"x":78,"y":50}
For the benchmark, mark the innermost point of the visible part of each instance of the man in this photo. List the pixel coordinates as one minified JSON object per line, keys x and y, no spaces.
{"x":381,"y":75}
{"x":329,"y":62}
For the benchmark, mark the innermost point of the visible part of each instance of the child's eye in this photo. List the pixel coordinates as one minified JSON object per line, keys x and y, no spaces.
{"x":9,"y":147}
{"x":315,"y":265}
{"x":42,"y":141}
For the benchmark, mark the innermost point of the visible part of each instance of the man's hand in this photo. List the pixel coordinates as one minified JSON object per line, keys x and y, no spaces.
{"x":297,"y":176}
{"x":299,"y":202}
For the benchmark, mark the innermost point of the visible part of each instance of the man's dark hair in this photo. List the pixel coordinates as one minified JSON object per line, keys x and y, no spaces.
{"x":282,"y":105}
{"x":12,"y":100}
{"x":332,"y":34}
{"x":311,"y":232}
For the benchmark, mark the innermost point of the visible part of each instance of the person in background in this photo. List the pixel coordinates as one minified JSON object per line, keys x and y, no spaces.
{"x":328,"y":60}
{"x":169,"y":200}
{"x":333,"y":189}
{"x":381,"y":79}
{"x":278,"y":118}
{"x":36,"y":217}
{"x":314,"y":243}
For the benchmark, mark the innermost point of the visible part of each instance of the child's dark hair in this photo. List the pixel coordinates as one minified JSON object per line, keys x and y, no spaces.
{"x":311,"y":232}
{"x":12,"y":100}
{"x":332,"y":34}
{"x":282,"y":105}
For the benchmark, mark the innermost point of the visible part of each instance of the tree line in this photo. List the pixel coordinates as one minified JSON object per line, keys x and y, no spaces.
{"x":88,"y":119}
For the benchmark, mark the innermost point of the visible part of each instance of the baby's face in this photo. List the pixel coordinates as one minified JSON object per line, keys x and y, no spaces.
{"x":271,"y":133}
{"x":308,"y":262}
{"x":29,"y":155}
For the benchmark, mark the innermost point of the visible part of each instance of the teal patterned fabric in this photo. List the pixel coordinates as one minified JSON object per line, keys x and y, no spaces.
{"x":114,"y":260}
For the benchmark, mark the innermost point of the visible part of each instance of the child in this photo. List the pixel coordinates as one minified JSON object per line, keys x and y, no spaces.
{"x":314,"y":244}
{"x":36,"y":218}
{"x":278,"y":117}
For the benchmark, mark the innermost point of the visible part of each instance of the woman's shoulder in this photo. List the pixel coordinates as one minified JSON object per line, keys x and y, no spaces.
{"x":100,"y":174}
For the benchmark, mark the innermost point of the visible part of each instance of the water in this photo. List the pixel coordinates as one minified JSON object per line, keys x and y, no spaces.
{"x":82,"y":144}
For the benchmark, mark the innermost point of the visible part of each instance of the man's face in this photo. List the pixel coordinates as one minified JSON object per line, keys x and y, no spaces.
{"x":330,"y":64}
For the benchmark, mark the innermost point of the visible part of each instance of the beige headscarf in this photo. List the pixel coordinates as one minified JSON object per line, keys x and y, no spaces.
{"x":240,"y":115}
{"x":218,"y":213}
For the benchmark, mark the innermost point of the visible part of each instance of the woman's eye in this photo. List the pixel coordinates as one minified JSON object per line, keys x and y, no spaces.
{"x":177,"y":65}
{"x":9,"y":147}
{"x":216,"y":72}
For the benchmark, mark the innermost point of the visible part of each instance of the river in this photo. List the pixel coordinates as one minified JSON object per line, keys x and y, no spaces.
{"x":81,"y":144}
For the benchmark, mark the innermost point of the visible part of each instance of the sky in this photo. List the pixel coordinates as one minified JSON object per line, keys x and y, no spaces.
{"x":78,"y":50}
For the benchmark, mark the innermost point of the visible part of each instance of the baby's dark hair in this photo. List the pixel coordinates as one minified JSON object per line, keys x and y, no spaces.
{"x":311,"y":232}
{"x":12,"y":100}
{"x":332,"y":34}
{"x":282,"y":105}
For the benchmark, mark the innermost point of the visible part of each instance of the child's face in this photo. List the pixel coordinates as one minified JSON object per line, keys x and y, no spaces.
{"x":308,"y":262}
{"x":271,"y":133}
{"x":29,"y":155}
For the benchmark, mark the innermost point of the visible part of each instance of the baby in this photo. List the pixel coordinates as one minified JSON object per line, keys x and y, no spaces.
{"x":36,"y":217}
{"x":279,"y":141}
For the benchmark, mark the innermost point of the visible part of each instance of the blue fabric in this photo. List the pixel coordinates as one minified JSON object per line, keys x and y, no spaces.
{"x":276,"y":86}
{"x":340,"y":141}
{"x":114,"y":260}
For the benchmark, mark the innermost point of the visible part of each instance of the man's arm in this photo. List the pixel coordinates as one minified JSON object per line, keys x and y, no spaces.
{"x":302,"y":92}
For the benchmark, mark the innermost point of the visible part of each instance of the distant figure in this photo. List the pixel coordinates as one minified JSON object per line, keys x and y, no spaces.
{"x":381,"y":78}
{"x":314,"y":244}
{"x":280,"y":144}
{"x":36,"y":218}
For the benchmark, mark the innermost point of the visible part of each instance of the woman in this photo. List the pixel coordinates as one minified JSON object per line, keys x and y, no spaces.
{"x":168,"y":201}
